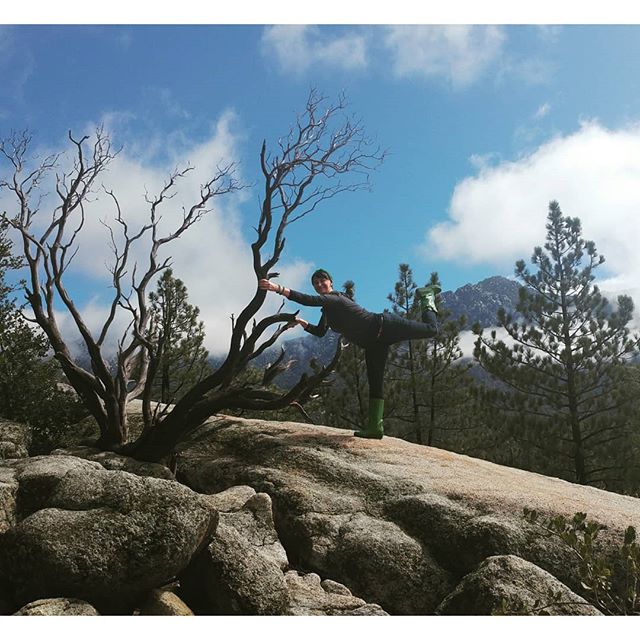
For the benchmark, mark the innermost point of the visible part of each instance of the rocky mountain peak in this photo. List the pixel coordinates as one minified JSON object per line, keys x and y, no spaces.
{"x":480,"y":302}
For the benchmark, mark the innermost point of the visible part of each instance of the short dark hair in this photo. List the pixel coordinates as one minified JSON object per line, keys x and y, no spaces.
{"x":321,"y":273}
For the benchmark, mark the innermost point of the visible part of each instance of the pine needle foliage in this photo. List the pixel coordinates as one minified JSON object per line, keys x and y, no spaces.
{"x":560,"y":367}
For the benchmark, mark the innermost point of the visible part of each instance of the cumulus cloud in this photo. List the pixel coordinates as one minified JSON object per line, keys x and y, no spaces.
{"x":498,"y":215}
{"x":213,"y":258}
{"x":299,"y":48}
{"x":461,"y":54}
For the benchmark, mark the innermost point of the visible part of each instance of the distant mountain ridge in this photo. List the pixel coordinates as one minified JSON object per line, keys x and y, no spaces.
{"x":480,"y":302}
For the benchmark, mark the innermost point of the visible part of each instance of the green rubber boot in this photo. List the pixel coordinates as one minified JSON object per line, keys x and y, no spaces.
{"x":427,"y":297}
{"x":375,"y":429}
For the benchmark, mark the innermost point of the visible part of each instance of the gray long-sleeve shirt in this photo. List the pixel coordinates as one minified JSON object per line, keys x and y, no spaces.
{"x":341,"y":314}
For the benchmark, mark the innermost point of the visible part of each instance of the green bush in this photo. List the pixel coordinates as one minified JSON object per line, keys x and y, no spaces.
{"x":609,"y":578}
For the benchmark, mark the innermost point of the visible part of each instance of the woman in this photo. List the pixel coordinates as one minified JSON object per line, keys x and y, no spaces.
{"x":375,"y":332}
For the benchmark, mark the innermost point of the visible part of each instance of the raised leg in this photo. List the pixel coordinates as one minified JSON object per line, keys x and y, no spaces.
{"x":396,"y":329}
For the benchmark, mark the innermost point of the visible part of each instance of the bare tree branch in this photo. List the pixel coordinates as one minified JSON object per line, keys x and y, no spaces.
{"x":325,"y":153}
{"x":50,"y":254}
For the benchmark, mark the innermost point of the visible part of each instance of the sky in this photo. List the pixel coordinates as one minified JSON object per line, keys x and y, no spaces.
{"x":484,"y":125}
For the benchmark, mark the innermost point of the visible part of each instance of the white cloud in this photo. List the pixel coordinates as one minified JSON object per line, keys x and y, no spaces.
{"x":296,"y":49}
{"x":483,"y":161}
{"x":213,"y":258}
{"x":467,"y":339}
{"x":529,"y":134}
{"x":498,"y":216}
{"x":459,"y":53}
{"x":163,"y":99}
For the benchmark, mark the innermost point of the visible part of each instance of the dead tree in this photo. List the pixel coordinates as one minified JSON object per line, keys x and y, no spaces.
{"x":49,"y":252}
{"x":325,"y":153}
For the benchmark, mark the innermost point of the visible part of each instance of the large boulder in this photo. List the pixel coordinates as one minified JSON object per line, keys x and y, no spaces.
{"x":509,"y":584}
{"x":379,"y":559}
{"x":8,"y":518}
{"x":107,"y":537}
{"x":15,"y":439}
{"x":57,"y":607}
{"x":251,"y":515}
{"x":39,"y":477}
{"x":460,"y":535}
{"x":398,"y":524}
{"x":232,"y":577}
{"x":241,"y":572}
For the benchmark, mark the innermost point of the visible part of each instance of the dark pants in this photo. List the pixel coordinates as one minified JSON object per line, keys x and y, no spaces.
{"x":394,"y":329}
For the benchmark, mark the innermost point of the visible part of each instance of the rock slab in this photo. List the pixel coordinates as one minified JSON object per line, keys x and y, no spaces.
{"x":398,"y":524}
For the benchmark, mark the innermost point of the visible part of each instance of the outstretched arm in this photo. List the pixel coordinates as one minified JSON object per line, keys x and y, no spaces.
{"x":293,"y":295}
{"x":302,"y":298}
{"x":267,"y":285}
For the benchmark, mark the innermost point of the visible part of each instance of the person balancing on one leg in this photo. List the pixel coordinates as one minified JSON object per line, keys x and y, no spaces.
{"x":375,"y":332}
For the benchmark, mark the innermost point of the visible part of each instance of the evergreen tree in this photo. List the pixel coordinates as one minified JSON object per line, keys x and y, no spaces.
{"x":29,"y":381}
{"x":449,"y":394}
{"x":561,"y":374}
{"x":179,"y":336}
{"x":19,"y":346}
{"x":404,"y":380}
{"x":429,"y":375}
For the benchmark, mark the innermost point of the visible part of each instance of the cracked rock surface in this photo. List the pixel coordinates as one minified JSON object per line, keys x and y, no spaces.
{"x":399,"y":525}
{"x":274,"y":518}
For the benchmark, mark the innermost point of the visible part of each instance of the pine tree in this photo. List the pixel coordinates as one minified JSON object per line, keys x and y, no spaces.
{"x":448,"y":396}
{"x":562,"y":371}
{"x":29,"y":389}
{"x":179,"y":336}
{"x":20,"y":346}
{"x":428,"y":374}
{"x":404,"y":378}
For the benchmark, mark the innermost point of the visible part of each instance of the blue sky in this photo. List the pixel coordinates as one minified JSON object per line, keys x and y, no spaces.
{"x":484,"y":124}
